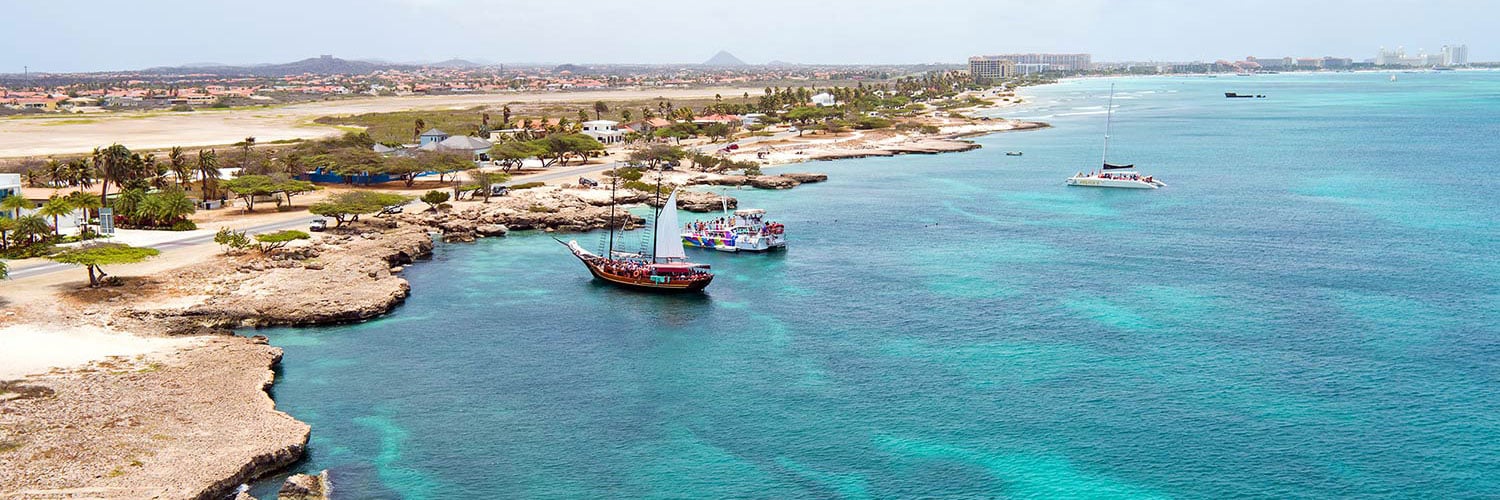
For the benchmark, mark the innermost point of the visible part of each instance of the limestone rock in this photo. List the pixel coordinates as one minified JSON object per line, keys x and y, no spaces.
{"x":773,"y":182}
{"x":305,"y":487}
{"x":488,"y":230}
{"x":806,"y":178}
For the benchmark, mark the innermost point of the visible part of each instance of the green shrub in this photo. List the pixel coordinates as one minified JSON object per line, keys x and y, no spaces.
{"x":182,"y":107}
{"x":184,"y":225}
{"x":235,"y":240}
{"x":527,"y":185}
{"x":871,"y":122}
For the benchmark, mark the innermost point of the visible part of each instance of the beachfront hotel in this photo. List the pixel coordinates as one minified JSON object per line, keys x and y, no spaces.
{"x":990,"y":69}
{"x":1027,"y":64}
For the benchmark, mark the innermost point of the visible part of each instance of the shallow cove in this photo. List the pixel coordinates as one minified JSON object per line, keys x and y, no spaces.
{"x":1309,"y":309}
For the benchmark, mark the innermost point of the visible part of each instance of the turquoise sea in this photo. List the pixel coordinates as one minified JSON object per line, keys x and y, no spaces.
{"x":1311,"y":309}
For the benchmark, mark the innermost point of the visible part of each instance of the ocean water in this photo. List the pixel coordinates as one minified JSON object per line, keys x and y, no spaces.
{"x":1309,"y":310}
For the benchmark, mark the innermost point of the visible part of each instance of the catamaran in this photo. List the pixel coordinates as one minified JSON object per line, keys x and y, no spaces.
{"x":745,"y":231}
{"x":1114,"y":176}
{"x":666,"y":269}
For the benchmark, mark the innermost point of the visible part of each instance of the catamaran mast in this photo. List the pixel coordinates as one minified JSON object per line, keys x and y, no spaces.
{"x":1109,"y":115}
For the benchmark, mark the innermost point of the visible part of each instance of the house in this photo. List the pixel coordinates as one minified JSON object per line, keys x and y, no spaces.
{"x":731,"y":120}
{"x":824,"y":99}
{"x":752,"y":119}
{"x":432,"y":136}
{"x":605,"y":131}
{"x":473,"y":146}
{"x":649,"y":125}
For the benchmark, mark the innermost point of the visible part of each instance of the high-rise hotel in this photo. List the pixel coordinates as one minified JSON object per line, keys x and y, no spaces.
{"x":990,"y":68}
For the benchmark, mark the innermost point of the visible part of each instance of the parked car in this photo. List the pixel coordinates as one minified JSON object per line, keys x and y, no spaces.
{"x":499,"y":190}
{"x":393,"y":209}
{"x":587,"y":182}
{"x":318,"y":225}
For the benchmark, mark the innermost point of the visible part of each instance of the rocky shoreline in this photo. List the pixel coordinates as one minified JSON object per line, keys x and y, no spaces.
{"x":200,"y":423}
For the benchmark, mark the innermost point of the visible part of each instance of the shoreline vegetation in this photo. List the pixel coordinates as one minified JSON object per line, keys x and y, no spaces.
{"x":138,"y":424}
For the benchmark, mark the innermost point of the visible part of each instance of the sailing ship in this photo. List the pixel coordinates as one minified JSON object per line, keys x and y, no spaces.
{"x":666,"y":269}
{"x":746,"y":230}
{"x":1114,"y":176}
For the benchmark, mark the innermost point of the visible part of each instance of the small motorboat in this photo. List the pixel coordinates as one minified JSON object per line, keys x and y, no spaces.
{"x":1013,"y":153}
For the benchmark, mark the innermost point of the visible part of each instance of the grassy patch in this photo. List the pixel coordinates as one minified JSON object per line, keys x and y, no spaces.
{"x":527,"y":185}
{"x":70,"y":121}
{"x":9,"y":446}
{"x":150,"y":368}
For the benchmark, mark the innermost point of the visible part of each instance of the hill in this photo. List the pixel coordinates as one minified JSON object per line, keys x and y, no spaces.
{"x":724,"y":58}
{"x":323,"y":65}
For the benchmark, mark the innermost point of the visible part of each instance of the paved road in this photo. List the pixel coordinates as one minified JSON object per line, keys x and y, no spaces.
{"x":52,"y":267}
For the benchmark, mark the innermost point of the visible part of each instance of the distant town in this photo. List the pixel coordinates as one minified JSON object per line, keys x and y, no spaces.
{"x":327,"y":77}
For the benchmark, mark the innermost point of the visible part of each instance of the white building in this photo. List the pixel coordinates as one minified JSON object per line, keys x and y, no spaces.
{"x":1455,"y":55}
{"x":10,"y":185}
{"x":824,"y":99}
{"x":605,"y":131}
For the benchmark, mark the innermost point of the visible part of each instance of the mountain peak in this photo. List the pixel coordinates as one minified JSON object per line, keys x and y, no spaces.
{"x":724,"y":58}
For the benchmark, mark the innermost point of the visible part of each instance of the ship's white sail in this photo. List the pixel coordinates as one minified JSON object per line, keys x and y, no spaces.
{"x":668,"y":242}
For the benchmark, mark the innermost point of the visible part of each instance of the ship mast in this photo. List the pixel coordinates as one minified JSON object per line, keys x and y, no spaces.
{"x":614,"y":181}
{"x":656,"y":221}
{"x":1109,"y":115}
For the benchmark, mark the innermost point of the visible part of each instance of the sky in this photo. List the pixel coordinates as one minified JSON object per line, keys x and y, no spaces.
{"x":96,"y":35}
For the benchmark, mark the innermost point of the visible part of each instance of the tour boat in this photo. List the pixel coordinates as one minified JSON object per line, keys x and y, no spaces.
{"x":666,"y":269}
{"x":1114,"y":176}
{"x":745,"y":231}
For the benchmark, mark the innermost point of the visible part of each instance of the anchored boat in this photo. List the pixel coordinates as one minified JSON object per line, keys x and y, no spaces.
{"x":666,"y":269}
{"x":745,"y":231}
{"x":1114,"y":176}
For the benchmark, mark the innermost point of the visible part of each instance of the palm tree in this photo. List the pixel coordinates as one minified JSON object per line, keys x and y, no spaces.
{"x":88,"y":204}
{"x":6,"y":226}
{"x":600,"y":108}
{"x":416,"y":131}
{"x":32,"y":227}
{"x":115,"y":164}
{"x":208,"y":170}
{"x":245,"y":146}
{"x":57,"y":172}
{"x":55,"y":207}
{"x":178,"y":163}
{"x":15,"y":203}
{"x":170,"y":205}
{"x":78,"y":172}
{"x":128,"y":204}
{"x":625,"y":115}
{"x":505,"y":116}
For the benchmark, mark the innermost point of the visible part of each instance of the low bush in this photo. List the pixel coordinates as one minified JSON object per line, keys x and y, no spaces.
{"x":541,"y":209}
{"x":184,"y":225}
{"x":871,"y":122}
{"x":527,"y":185}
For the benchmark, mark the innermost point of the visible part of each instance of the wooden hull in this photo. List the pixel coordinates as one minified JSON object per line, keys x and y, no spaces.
{"x":634,"y":283}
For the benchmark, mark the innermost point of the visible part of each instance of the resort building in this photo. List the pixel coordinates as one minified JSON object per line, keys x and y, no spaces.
{"x":824,"y":99}
{"x":989,"y":69}
{"x":1455,"y":55}
{"x":605,"y":131}
{"x":1026,"y":64}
